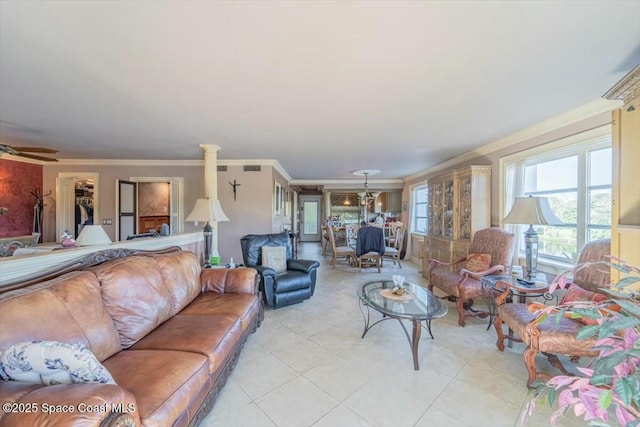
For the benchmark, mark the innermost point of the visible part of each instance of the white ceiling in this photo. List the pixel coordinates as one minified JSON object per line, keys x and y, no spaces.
{"x":323,"y":87}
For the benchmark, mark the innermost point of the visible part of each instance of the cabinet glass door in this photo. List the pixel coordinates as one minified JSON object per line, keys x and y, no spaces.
{"x":448,"y":208}
{"x":435,"y":226}
{"x":464,"y":216}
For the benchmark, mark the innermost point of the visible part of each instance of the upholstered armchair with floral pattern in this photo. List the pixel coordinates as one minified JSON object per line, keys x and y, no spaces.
{"x":490,"y":252}
{"x":552,"y":335}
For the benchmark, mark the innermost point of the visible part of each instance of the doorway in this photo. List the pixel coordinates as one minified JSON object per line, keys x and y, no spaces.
{"x":138,"y":199}
{"x":310,"y":216}
{"x":77,"y":201}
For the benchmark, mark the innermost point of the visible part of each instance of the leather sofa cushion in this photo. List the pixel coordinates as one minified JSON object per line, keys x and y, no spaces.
{"x":72,"y":395}
{"x":292,"y":281}
{"x":229,"y":280}
{"x":244,"y":306}
{"x":252,"y":246}
{"x":67,"y":309}
{"x":215,"y":337}
{"x":164,"y":382}
{"x":181,"y":275}
{"x":13,"y":391}
{"x":135,"y":295}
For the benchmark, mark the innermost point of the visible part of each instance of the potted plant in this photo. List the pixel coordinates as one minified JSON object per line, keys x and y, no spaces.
{"x":608,"y":388}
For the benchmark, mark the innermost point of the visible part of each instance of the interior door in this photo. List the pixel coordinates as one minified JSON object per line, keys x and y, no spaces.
{"x":66,"y":203}
{"x":310,"y":207}
{"x":127,"y":198}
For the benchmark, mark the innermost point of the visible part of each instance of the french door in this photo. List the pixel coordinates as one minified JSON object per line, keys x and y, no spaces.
{"x":310,"y":212}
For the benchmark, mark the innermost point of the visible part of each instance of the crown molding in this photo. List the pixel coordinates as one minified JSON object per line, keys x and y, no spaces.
{"x":570,"y":117}
{"x":360,"y":182}
{"x":128,"y":162}
{"x":627,"y":89}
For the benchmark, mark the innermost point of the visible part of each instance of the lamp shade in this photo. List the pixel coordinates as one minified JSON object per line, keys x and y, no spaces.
{"x":207,"y":210}
{"x":532,"y":210}
{"x":92,"y":235}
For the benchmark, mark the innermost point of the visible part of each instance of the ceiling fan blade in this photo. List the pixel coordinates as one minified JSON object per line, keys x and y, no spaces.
{"x":7,"y":149}
{"x":32,"y":156}
{"x":35,"y":149}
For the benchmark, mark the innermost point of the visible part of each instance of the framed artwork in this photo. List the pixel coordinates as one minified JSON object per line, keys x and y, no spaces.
{"x":277,"y":202}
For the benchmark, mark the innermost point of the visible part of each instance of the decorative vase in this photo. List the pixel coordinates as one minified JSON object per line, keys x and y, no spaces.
{"x":68,"y":242}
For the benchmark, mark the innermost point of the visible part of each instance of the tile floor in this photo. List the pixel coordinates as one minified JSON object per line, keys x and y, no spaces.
{"x":308,"y":366}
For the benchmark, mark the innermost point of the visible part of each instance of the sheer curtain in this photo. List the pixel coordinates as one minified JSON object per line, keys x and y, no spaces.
{"x":512,"y":189}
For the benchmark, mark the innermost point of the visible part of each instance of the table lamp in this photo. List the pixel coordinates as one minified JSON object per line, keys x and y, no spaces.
{"x":91,"y":235}
{"x":207,"y":210}
{"x":531,"y":210}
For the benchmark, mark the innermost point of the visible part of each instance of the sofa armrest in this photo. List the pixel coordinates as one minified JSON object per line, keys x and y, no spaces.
{"x":266,"y":271}
{"x":104,"y":405}
{"x":302,"y":265}
{"x":241,"y":280}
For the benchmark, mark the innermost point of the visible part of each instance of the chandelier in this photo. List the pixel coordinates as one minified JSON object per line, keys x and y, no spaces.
{"x":366,"y":196}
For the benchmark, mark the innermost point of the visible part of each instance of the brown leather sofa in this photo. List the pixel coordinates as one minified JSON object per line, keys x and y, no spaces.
{"x":168,"y":332}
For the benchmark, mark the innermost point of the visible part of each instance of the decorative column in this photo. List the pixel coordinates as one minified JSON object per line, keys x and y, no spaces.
{"x":327,"y":204}
{"x":211,"y":184}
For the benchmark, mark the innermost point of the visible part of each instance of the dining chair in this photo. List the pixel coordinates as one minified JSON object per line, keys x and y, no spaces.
{"x":325,"y":239}
{"x":393,"y":226}
{"x":370,"y":247}
{"x":351,"y":234}
{"x":395,"y":246}
{"x":346,"y":252}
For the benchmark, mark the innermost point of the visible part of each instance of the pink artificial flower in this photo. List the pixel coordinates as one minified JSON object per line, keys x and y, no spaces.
{"x":623,"y":416}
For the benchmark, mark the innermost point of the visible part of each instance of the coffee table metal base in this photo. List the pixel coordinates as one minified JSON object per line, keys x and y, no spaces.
{"x":414,"y":339}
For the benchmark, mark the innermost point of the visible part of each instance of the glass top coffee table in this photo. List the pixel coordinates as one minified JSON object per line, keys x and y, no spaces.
{"x":417,"y":305}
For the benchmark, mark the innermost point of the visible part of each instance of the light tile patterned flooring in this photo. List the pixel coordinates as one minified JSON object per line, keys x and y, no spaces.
{"x":308,"y":366}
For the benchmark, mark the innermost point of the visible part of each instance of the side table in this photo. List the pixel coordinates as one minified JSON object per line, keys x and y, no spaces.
{"x":491,"y":287}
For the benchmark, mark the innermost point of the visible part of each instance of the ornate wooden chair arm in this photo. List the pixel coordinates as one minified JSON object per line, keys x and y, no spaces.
{"x":506,"y":293}
{"x":478,"y":274}
{"x":434,"y":263}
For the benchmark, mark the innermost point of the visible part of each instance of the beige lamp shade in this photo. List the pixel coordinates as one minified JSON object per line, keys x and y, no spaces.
{"x":532,"y":210}
{"x":92,"y":235}
{"x":207,"y":210}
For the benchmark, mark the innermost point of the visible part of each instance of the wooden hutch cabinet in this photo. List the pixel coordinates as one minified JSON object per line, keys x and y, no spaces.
{"x":459,"y":204}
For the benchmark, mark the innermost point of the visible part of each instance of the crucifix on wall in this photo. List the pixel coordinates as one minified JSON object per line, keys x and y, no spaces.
{"x":234,"y":184}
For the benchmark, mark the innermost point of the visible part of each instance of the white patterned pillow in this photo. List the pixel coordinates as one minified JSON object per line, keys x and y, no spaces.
{"x":52,"y":362}
{"x":275,"y":257}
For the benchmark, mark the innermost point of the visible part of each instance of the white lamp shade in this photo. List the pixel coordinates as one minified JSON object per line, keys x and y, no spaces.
{"x":92,"y":235}
{"x":207,"y":210}
{"x":532,"y":210}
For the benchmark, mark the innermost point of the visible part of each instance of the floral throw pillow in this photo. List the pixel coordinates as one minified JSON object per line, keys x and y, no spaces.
{"x":275,"y":257}
{"x":577,"y":294}
{"x":52,"y":362}
{"x":478,"y":262}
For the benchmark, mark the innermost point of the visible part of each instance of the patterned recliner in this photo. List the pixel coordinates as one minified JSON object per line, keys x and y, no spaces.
{"x":463,"y":285}
{"x":554,"y":335}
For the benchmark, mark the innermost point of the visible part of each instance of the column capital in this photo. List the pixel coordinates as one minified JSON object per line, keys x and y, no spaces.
{"x":210,"y":147}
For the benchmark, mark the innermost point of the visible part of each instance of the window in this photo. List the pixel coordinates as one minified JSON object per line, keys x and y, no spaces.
{"x":575,"y":175}
{"x":420,"y":211}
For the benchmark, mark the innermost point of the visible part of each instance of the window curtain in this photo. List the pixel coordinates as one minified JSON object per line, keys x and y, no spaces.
{"x":512,"y":189}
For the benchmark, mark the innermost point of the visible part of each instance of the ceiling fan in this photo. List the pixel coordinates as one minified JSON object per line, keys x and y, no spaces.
{"x":25,"y":152}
